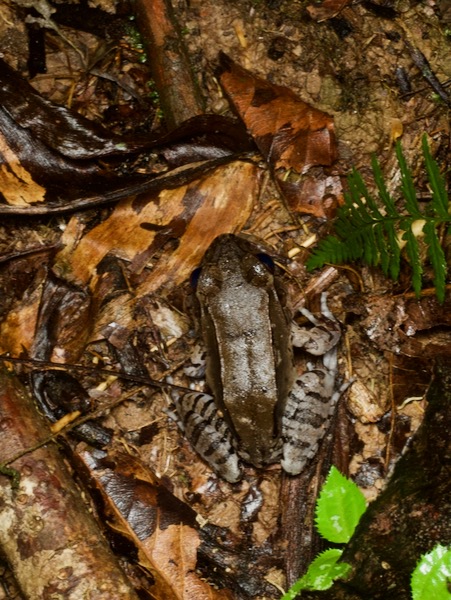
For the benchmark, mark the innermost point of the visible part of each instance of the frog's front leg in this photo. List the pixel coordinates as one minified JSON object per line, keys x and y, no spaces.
{"x":209,"y":434}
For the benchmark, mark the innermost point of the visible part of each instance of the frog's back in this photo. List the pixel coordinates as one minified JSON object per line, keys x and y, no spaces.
{"x":247,"y":333}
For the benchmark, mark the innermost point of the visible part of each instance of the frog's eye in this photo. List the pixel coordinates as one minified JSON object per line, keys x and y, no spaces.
{"x":267,"y":261}
{"x":194,"y":279}
{"x":259,"y":275}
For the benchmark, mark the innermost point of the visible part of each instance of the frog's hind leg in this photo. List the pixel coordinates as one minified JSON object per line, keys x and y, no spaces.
{"x":309,"y":409}
{"x":209,"y":434}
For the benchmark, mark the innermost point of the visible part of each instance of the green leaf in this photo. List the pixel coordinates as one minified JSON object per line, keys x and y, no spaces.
{"x":387,"y":200}
{"x":436,"y":180}
{"x":384,"y":254}
{"x":321,"y":574}
{"x":394,"y":250}
{"x":365,"y":231}
{"x":323,"y":571}
{"x":432,"y":576}
{"x":408,"y":189}
{"x":437,"y":258}
{"x":413,"y":252}
{"x":339,"y":507}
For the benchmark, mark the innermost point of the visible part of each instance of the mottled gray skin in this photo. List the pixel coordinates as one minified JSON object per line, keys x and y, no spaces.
{"x":258,"y":410}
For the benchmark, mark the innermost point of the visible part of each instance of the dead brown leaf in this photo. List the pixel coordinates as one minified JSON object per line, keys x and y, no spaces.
{"x":289,"y":133}
{"x":194,"y":213}
{"x":161,"y":527}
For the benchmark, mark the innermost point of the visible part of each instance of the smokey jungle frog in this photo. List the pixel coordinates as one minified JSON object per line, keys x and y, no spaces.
{"x":260,"y":410}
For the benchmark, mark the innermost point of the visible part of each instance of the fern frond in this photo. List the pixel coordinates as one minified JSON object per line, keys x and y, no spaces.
{"x":387,"y":200}
{"x":378,"y":231}
{"x":437,"y":258}
{"x":375,"y":231}
{"x":413,"y":252}
{"x":407,"y":186}
{"x":394,"y":265}
{"x":440,"y":201}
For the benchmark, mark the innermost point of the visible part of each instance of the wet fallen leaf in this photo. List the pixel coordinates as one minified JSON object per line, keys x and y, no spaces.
{"x":291,"y":135}
{"x":162,"y":527}
{"x":194,"y":213}
{"x":54,"y":169}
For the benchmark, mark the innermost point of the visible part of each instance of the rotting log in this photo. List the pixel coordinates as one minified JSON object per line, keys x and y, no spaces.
{"x":47,"y":534}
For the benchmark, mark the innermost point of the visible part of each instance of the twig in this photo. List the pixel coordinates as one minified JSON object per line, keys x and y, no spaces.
{"x":179,"y":93}
{"x":423,"y":64}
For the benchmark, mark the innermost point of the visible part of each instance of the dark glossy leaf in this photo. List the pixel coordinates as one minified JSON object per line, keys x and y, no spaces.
{"x":49,"y":153}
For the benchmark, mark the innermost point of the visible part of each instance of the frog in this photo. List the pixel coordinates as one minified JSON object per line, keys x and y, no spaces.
{"x":260,"y":411}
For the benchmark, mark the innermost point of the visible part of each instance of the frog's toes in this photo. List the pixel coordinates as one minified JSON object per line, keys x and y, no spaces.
{"x":197,"y":367}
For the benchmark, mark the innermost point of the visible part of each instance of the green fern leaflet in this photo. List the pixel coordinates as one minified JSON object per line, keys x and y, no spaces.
{"x":376,"y":231}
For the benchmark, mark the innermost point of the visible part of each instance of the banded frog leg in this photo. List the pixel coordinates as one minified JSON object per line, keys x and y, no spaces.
{"x":313,"y":397}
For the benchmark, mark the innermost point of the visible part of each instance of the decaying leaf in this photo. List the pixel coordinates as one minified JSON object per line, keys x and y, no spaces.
{"x":327,"y":9}
{"x":162,"y":527}
{"x":223,"y":204}
{"x":289,"y":133}
{"x":139,"y":227}
{"x":18,"y":329}
{"x":194,"y":214}
{"x":53,"y":169}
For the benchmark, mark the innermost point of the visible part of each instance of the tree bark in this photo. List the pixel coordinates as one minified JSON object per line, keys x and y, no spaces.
{"x":47,"y":534}
{"x":179,"y":93}
{"x":410,"y":517}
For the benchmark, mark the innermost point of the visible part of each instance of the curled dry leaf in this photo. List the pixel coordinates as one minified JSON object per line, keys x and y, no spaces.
{"x":289,"y":133}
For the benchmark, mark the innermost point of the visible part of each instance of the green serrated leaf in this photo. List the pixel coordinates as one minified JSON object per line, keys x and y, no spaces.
{"x":323,"y":571}
{"x":339,"y":507}
{"x":432,"y":575}
{"x":321,"y":574}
